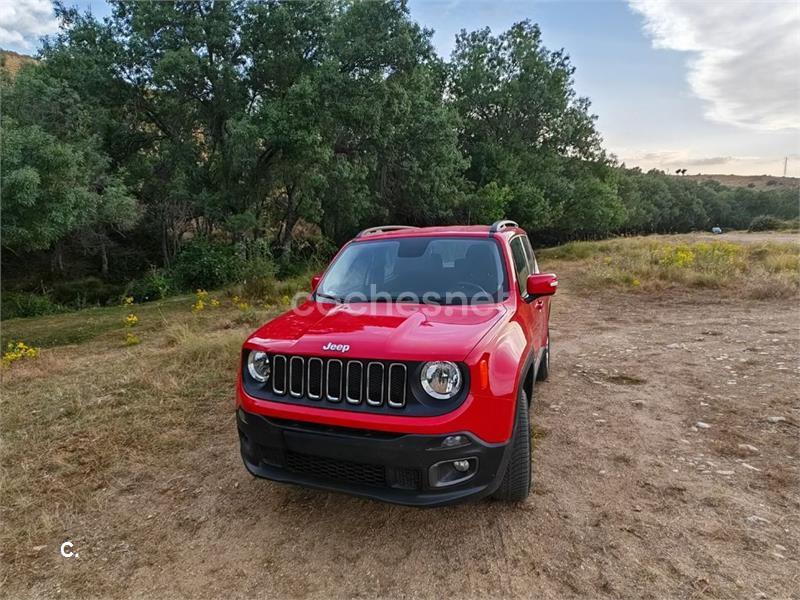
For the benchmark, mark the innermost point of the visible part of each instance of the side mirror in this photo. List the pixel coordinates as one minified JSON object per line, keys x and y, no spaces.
{"x":315,"y":282}
{"x":542,"y":284}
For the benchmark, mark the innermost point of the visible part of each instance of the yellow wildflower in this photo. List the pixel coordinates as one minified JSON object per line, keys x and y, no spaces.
{"x":18,"y":351}
{"x":131,"y":339}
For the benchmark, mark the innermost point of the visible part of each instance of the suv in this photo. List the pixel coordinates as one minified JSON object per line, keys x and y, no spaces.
{"x":407,"y":374}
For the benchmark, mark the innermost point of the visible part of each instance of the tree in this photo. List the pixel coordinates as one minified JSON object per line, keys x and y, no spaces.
{"x":524,"y":127}
{"x":57,"y":180}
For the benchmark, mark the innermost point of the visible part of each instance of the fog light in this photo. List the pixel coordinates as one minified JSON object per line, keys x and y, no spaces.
{"x":452,"y":472}
{"x":462,"y":466}
{"x":451,"y":441}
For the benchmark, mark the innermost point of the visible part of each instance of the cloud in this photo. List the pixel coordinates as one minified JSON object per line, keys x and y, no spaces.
{"x":745,"y":56}
{"x":678,"y":158}
{"x":23,"y":22}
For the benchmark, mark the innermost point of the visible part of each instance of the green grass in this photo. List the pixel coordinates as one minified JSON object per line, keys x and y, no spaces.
{"x":84,"y":325}
{"x":77,"y":327}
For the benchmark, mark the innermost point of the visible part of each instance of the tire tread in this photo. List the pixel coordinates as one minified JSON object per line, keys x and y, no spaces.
{"x":516,"y":484}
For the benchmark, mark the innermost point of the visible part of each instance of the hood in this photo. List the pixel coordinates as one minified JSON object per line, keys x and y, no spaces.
{"x":380,"y":331}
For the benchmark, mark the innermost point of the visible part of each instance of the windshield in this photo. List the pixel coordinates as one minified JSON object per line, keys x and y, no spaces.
{"x":417,"y":269}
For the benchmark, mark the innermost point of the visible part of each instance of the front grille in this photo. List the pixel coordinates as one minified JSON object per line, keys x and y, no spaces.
{"x":408,"y":479}
{"x":344,"y":471}
{"x":355,"y":381}
{"x":336,"y":470}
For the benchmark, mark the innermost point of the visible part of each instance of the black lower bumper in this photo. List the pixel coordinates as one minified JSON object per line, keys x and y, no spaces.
{"x":400,"y":468}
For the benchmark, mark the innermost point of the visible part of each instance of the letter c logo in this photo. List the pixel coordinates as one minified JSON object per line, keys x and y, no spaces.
{"x":64,"y":552}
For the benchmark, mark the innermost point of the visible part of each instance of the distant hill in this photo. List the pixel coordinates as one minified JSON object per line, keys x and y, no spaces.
{"x":756,"y":182}
{"x":12,"y":62}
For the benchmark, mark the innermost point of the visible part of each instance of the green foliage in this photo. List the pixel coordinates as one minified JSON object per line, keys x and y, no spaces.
{"x":45,"y":187}
{"x":14,"y":305}
{"x":205,"y":264}
{"x":56,"y":179}
{"x":87,"y":291}
{"x":765,"y":223}
{"x":155,"y":285}
{"x":528,"y":134}
{"x":281,"y":128}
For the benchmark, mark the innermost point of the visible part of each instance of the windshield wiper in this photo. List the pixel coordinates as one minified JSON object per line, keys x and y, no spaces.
{"x":336,"y":299}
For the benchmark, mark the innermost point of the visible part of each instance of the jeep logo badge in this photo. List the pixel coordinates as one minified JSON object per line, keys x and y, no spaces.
{"x":336,"y":347}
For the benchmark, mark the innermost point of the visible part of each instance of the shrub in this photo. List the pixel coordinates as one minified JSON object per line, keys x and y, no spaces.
{"x":675,"y":256}
{"x":257,"y":277}
{"x":153,"y":286}
{"x":205,"y":264}
{"x":14,"y":305}
{"x":89,"y":291}
{"x":765,"y":223}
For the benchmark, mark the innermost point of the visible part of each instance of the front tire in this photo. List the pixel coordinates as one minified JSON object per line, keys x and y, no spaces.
{"x":516,"y":484}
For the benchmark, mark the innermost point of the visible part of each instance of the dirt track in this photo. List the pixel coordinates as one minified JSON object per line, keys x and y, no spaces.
{"x":630,"y":501}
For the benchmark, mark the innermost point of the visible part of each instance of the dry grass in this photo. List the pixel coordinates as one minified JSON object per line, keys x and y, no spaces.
{"x":761,"y":270}
{"x":80,"y":418}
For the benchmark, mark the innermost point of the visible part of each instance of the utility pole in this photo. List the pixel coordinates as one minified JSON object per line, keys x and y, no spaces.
{"x":785,"y":164}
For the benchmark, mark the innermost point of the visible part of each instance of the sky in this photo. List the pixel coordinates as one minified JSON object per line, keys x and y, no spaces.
{"x":713,"y":87}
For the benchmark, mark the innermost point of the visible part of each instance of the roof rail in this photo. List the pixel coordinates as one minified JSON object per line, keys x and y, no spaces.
{"x":500,"y":225}
{"x":382,"y":228}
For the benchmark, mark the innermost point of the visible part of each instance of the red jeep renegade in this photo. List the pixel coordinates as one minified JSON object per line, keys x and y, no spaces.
{"x":407,"y":374}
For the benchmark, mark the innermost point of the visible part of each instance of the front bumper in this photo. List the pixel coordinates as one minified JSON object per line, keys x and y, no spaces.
{"x":385,"y":466}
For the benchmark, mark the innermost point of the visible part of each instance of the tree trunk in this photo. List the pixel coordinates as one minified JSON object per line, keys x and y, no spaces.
{"x":165,"y":244}
{"x":103,"y":258}
{"x":286,"y":242}
{"x":57,"y":260}
{"x":289,"y":221}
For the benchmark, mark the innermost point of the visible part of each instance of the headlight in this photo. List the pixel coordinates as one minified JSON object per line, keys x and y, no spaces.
{"x":441,"y":379}
{"x":258,"y":365}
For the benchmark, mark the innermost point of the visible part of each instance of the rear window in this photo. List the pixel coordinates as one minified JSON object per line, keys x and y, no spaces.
{"x":437,"y":270}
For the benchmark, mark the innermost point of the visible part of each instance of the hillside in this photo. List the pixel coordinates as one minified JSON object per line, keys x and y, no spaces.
{"x":757,"y":182}
{"x":12,"y":62}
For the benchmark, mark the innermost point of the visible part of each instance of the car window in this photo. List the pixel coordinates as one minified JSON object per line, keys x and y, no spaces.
{"x":521,"y":265}
{"x":526,"y":243}
{"x":445,"y":270}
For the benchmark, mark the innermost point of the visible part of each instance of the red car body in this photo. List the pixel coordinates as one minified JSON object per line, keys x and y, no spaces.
{"x":500,"y":345}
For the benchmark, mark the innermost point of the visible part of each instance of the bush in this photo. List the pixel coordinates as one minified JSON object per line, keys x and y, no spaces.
{"x":89,"y":291}
{"x":765,"y":223}
{"x":205,"y":264}
{"x":14,"y":305}
{"x":153,"y":286}
{"x":257,"y":274}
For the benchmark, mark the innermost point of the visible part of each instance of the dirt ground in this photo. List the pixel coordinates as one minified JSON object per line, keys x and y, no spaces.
{"x":632,"y":499}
